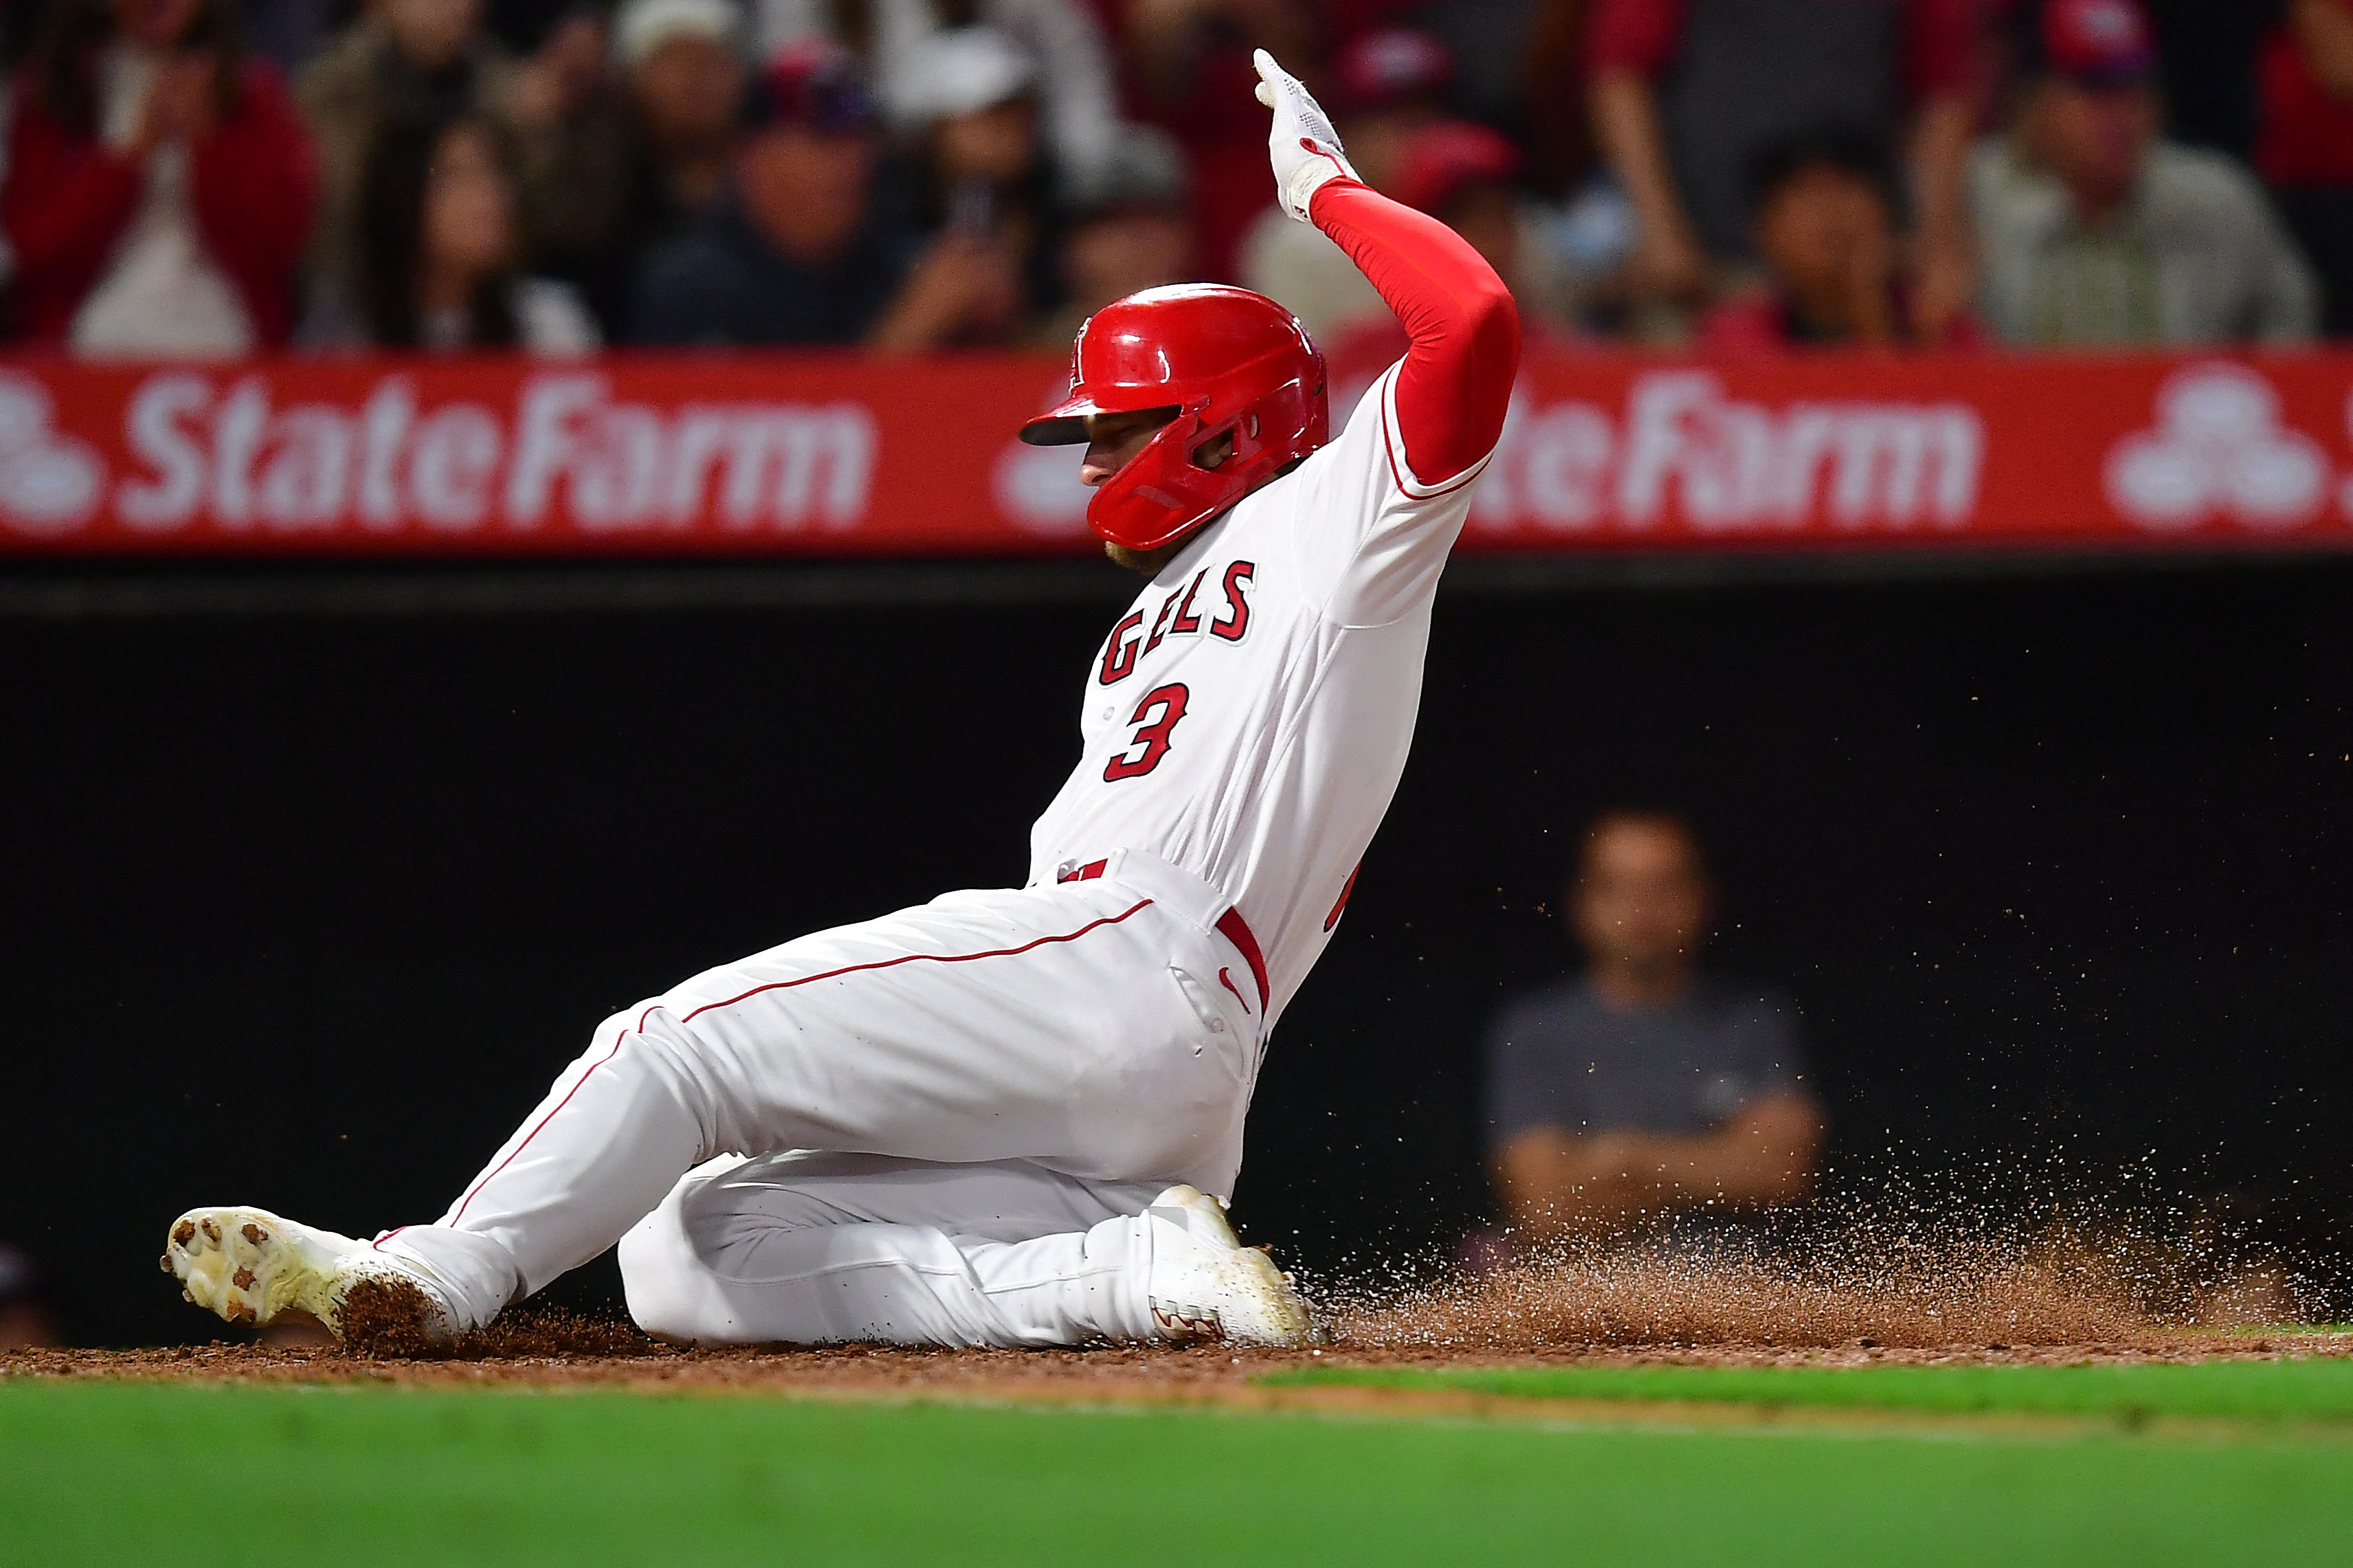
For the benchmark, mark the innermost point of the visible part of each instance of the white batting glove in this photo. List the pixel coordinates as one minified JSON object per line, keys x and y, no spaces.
{"x":1305,"y":152}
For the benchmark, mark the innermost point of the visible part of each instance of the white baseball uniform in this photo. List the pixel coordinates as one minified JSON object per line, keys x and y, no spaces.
{"x":941,"y":1126}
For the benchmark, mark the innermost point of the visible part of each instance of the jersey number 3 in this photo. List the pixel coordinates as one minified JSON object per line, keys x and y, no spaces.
{"x":1151,"y":743}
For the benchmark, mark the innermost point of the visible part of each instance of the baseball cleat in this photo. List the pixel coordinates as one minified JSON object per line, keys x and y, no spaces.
{"x":1206,"y":1286}
{"x":249,"y":1265}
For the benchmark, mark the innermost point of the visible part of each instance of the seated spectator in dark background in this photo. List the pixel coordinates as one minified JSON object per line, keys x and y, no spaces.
{"x":403,"y":63}
{"x":988,"y":190}
{"x":2094,"y":231}
{"x":440,"y":253}
{"x":1687,"y":96}
{"x":643,"y":157}
{"x":1070,"y":57}
{"x":24,"y":1318}
{"x":1826,"y":232}
{"x":2304,"y":146}
{"x":1645,"y":1090}
{"x":1133,"y":233}
{"x":159,"y":187}
{"x":1387,"y":87}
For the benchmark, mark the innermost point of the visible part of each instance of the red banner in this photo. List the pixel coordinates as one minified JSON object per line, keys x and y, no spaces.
{"x":848,"y":455}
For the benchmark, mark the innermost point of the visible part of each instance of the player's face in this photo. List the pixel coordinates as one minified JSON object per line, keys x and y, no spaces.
{"x":1643,"y":900}
{"x":1115,"y":439}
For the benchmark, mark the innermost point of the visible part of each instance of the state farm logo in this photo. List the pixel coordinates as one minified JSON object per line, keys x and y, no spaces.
{"x":1730,"y":465}
{"x":567,"y":452}
{"x":2219,"y":450}
{"x":50,"y":482}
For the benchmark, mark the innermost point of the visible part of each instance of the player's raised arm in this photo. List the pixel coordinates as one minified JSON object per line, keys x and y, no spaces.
{"x":1456,"y":382}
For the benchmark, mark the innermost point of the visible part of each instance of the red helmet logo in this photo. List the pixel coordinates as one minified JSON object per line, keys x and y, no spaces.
{"x":1230,"y":363}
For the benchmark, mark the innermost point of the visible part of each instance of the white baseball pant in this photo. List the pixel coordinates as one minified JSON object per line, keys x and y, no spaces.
{"x":1091,"y":1041}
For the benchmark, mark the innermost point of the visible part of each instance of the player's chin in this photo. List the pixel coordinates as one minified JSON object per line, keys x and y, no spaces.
{"x":1133,"y":559}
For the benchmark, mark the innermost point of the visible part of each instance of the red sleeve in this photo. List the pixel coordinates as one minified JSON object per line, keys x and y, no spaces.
{"x":254,"y":188}
{"x":1464,"y":329}
{"x":1636,"y":36}
{"x":1940,"y":40}
{"x":65,"y":203}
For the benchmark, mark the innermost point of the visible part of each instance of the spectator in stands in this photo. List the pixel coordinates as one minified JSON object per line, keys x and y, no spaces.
{"x":286,"y":33}
{"x":1134,"y":234}
{"x":642,"y":158}
{"x":1187,"y":63}
{"x":2097,"y":231}
{"x":403,"y":63}
{"x":795,"y":251}
{"x":159,"y":185}
{"x":570,"y":115}
{"x":2305,"y":148}
{"x":802,"y":250}
{"x":1687,"y":96}
{"x":988,"y":190}
{"x":684,"y":65}
{"x":1070,"y":60}
{"x":1386,"y":89}
{"x":1825,"y":229}
{"x":1645,"y":1090}
{"x":1556,"y":121}
{"x":439,"y":262}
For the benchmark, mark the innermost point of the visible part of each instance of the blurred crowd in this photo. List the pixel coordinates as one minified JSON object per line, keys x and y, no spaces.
{"x":211,"y":178}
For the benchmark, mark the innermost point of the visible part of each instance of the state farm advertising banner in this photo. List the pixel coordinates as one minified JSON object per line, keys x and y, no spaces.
{"x":848,"y":455}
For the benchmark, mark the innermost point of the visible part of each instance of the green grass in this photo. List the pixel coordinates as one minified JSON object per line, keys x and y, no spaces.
{"x":149,"y":1474}
{"x":2311,"y":1390}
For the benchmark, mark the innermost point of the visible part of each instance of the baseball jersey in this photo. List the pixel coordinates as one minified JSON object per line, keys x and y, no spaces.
{"x":1249,"y":718}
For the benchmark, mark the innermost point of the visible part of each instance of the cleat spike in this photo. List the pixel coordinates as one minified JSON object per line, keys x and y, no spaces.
{"x":242,"y":1279}
{"x":255,"y":1233}
{"x":183,"y":1233}
{"x":212,"y":1231}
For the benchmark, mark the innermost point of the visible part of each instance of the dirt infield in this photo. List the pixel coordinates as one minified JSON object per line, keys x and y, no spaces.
{"x":2038,"y":1306}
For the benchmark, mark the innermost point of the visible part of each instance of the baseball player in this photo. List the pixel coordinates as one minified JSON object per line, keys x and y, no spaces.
{"x":998,"y":1118}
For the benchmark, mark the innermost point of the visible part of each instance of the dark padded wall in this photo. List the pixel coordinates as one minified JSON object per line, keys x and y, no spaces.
{"x":305,"y":911}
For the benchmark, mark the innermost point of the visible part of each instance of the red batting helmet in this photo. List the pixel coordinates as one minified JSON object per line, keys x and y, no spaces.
{"x":1229,"y":362}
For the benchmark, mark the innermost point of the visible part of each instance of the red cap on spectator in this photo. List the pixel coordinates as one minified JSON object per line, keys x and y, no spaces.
{"x":1437,"y":163}
{"x":813,"y":83}
{"x":2100,"y":43}
{"x":1385,"y":66}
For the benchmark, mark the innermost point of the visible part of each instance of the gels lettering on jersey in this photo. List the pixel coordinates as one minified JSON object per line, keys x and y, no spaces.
{"x":1184,"y":610}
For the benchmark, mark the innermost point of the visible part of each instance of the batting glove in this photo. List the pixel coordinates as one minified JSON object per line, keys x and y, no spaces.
{"x":1305,"y":152}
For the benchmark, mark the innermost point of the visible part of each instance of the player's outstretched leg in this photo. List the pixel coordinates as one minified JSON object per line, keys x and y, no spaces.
{"x":248,"y":1266}
{"x":1067,"y":1025}
{"x":815,"y":1248}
